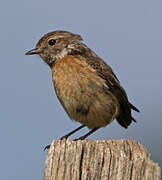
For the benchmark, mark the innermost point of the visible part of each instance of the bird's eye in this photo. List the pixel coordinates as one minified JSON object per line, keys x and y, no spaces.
{"x":51,"y":42}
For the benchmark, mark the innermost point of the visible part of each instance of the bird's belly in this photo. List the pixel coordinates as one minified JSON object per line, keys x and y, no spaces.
{"x":84,"y":94}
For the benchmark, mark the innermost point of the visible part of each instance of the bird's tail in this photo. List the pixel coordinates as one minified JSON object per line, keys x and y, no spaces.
{"x":133,"y":107}
{"x":125,"y":119}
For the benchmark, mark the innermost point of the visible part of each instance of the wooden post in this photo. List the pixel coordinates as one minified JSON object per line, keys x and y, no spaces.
{"x":99,"y":160}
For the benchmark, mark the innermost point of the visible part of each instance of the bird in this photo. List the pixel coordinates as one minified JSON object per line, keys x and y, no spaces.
{"x":85,"y":85}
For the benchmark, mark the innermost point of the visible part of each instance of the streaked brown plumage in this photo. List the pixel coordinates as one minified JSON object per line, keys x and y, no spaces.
{"x":86,"y":86}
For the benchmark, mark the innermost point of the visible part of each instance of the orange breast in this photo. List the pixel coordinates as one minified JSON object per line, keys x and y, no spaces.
{"x":82,"y":92}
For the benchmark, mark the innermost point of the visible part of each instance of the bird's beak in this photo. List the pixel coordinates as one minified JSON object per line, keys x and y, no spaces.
{"x":33,"y":51}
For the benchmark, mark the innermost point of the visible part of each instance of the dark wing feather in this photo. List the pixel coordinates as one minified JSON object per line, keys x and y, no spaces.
{"x":125,"y":118}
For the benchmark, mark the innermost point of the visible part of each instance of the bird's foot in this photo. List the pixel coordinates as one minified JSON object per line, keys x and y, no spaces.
{"x":47,"y":147}
{"x":80,"y":138}
{"x":64,"y":137}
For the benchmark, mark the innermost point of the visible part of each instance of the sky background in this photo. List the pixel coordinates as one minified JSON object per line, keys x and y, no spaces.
{"x":126,"y":34}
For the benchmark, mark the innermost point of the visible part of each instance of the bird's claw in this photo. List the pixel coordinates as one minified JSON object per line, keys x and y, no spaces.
{"x":47,"y":147}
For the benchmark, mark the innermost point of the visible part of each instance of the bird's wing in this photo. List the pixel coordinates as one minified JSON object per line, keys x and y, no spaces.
{"x":125,"y":118}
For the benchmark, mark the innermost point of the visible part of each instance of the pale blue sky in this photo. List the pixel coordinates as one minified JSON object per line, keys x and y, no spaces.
{"x":126,"y":34}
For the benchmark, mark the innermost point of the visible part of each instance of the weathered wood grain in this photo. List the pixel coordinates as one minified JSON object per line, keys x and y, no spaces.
{"x":99,"y":160}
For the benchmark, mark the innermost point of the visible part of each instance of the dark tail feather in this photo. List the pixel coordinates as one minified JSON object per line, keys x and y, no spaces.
{"x":133,"y":119}
{"x":134,"y":108}
{"x":124,"y":120}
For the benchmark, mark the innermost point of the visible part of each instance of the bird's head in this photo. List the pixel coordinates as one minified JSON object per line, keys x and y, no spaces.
{"x":56,"y":45}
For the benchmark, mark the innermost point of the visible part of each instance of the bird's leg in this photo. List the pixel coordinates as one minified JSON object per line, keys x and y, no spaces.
{"x":67,"y":135}
{"x":86,"y":135}
{"x":72,"y":132}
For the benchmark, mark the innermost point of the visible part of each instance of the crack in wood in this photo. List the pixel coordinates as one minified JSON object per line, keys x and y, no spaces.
{"x":81,"y":163}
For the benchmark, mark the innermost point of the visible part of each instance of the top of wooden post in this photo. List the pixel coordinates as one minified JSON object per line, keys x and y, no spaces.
{"x":99,"y":160}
